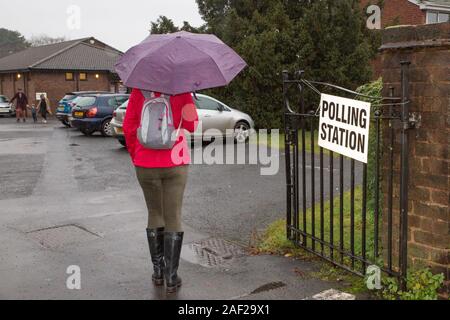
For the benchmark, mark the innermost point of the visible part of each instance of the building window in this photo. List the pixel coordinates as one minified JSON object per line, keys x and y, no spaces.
{"x":443,"y":17}
{"x":437,"y":17}
{"x":69,"y":76}
{"x":83,"y":76}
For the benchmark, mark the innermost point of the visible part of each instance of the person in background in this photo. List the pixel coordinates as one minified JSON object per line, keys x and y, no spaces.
{"x":21,"y":105}
{"x":44,"y":107}
{"x":34,"y":112}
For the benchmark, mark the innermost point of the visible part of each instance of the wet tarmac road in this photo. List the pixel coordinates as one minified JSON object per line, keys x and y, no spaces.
{"x":52,"y":176}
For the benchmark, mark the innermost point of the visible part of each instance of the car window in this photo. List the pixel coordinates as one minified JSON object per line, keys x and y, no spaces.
{"x":112,"y":102}
{"x":203,"y":103}
{"x":69,"y":97}
{"x":224,"y":107}
{"x":85,"y":101}
{"x":124,"y":106}
{"x":74,"y":101}
{"x":121,"y":99}
{"x":3,"y":99}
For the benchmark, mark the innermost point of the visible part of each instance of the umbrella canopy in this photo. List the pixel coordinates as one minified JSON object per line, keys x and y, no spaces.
{"x":178,"y":63}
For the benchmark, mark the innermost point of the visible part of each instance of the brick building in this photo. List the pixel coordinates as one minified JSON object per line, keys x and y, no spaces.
{"x":412,"y":12}
{"x":77,"y":65}
{"x":408,"y":12}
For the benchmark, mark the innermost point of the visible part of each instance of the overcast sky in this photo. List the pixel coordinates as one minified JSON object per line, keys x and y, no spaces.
{"x":119,"y":23}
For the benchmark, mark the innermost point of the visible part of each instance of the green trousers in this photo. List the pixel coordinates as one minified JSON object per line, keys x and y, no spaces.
{"x":164,"y":191}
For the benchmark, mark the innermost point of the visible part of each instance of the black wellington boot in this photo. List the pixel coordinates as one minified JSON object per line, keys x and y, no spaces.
{"x":173,"y":242}
{"x":156,"y":244}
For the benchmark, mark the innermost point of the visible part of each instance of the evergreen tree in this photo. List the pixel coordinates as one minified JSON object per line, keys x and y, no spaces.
{"x":11,"y":42}
{"x":165,"y":25}
{"x":326,"y":38}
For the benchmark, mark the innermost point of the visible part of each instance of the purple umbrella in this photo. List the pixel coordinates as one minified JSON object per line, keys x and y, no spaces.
{"x":179,"y":63}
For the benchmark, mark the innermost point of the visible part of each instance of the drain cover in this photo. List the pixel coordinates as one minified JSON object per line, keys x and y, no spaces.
{"x":60,"y":236}
{"x":212,"y":252}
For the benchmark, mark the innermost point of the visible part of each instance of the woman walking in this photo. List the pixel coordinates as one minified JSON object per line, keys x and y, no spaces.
{"x":162,"y":175}
{"x":44,"y":107}
{"x":175,"y":64}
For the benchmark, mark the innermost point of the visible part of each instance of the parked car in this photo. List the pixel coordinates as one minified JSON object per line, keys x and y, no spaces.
{"x":94,"y":112}
{"x":64,"y":110}
{"x":6,"y":107}
{"x":117,"y":123}
{"x":212,"y":113}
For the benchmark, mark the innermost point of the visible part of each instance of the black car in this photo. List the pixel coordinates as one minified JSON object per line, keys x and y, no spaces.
{"x":64,"y":110}
{"x":94,"y":112}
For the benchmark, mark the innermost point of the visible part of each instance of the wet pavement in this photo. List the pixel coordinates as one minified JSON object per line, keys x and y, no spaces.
{"x":67,"y":199}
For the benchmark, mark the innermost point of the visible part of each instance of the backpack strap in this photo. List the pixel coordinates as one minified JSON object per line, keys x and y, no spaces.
{"x":181,"y":121}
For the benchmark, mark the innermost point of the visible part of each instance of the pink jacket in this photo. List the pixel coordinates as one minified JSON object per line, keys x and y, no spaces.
{"x":182,"y":107}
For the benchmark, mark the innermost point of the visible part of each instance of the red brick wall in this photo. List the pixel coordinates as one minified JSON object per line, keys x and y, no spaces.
{"x":7,"y":86}
{"x":54,"y":84}
{"x":398,"y":12}
{"x":429,"y":186}
{"x":9,"y":83}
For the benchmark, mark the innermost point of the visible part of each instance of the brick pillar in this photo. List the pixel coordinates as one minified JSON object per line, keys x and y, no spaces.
{"x":428,"y":49}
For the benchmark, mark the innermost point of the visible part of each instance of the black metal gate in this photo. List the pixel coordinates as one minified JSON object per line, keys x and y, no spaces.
{"x":335,"y":208}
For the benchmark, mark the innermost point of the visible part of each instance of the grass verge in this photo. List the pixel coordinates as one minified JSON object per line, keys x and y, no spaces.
{"x":274,"y":239}
{"x":280,"y":143}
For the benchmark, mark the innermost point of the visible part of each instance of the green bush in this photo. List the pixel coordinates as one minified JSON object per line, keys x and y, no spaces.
{"x":373,"y":89}
{"x":420,"y":285}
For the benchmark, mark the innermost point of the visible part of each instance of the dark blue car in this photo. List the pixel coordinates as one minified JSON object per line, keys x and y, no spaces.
{"x":94,"y":112}
{"x":64,"y":110}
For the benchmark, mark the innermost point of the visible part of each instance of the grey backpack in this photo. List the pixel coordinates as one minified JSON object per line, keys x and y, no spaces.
{"x":157,"y":126}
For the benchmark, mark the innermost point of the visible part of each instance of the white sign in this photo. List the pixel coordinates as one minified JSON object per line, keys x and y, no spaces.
{"x":38,"y":95}
{"x":344,"y":126}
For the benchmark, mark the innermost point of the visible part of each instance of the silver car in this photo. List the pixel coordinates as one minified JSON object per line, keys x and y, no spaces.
{"x":117,"y":123}
{"x":218,"y":118}
{"x":215,"y":118}
{"x":6,"y":107}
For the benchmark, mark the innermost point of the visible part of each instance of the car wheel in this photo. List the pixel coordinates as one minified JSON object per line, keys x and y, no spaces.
{"x":87,"y":132}
{"x":241,"y":132}
{"x":107,"y":128}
